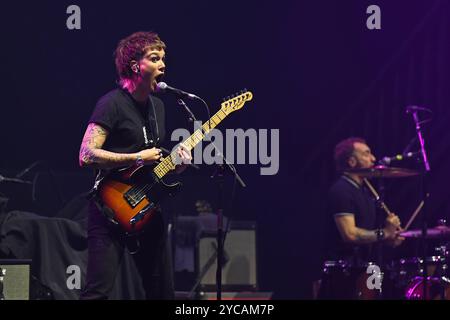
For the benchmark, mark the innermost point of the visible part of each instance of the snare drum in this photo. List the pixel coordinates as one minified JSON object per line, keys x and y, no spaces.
{"x":343,"y":281}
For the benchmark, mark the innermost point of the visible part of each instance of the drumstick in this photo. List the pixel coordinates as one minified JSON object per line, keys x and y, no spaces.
{"x":377,"y":197}
{"x":414,"y":215}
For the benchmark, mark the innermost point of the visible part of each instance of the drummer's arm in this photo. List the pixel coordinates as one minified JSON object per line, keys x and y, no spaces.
{"x":350,"y":233}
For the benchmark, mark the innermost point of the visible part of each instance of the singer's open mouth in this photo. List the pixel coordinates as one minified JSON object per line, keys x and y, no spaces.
{"x":159,"y":77}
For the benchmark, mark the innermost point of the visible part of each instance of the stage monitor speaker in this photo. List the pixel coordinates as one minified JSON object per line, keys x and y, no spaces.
{"x":15,"y":278}
{"x":240,"y":267}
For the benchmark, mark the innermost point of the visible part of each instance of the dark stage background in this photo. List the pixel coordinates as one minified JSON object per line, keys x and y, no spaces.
{"x":317,"y":74}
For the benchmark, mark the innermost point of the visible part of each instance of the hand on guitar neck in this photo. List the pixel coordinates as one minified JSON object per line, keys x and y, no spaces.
{"x":184,"y":158}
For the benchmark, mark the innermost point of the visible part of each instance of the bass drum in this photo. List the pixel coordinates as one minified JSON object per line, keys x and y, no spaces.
{"x":344,"y":281}
{"x":437,"y":289}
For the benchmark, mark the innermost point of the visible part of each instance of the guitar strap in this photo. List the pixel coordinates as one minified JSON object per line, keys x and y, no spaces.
{"x":151,"y":122}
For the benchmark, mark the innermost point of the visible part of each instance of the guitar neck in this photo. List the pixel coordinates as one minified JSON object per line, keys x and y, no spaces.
{"x":168,"y":164}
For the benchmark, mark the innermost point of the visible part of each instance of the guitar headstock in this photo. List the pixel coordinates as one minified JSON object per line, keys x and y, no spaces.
{"x":236,"y":101}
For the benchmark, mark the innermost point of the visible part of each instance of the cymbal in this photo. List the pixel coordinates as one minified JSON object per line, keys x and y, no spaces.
{"x":383,"y":172}
{"x":441,"y":232}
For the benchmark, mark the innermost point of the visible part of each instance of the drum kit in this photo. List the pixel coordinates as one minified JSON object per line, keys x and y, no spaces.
{"x":407,"y":274}
{"x":400,"y":279}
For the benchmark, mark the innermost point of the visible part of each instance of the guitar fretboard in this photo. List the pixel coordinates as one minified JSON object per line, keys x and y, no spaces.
{"x":168,"y":163}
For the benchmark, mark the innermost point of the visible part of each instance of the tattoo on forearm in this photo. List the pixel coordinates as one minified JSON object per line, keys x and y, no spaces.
{"x":365,"y":236}
{"x":87,"y":155}
{"x":91,"y":153}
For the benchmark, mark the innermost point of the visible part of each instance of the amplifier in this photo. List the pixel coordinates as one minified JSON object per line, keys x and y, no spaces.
{"x":15,"y":275}
{"x":240,"y":266}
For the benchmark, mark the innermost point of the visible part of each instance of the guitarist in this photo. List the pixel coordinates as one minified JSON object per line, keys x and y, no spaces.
{"x":126,"y":128}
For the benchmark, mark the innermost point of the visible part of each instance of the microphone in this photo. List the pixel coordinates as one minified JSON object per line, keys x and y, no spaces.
{"x":164,"y":87}
{"x":410,"y":109}
{"x":398,"y":157}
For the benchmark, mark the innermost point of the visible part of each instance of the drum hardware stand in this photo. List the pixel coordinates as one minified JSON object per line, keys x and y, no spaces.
{"x":443,"y":276}
{"x":424,"y":188}
{"x":442,"y":251}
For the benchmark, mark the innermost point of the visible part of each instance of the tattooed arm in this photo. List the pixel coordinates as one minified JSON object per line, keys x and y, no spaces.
{"x":92,"y":154}
{"x":352,"y":234}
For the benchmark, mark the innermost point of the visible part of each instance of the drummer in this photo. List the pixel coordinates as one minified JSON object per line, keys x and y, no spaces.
{"x":353,"y":227}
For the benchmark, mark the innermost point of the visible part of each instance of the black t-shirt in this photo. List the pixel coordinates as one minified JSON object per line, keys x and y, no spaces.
{"x":347,"y":197}
{"x":132,"y":127}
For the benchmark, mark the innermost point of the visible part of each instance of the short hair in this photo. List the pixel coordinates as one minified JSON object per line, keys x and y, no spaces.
{"x":134,"y":47}
{"x":344,"y":150}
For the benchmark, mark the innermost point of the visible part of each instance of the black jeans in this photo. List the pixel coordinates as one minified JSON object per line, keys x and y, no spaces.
{"x":106,"y":247}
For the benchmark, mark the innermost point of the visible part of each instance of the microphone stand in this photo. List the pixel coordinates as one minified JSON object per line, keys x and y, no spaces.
{"x":219,"y":175}
{"x":425,"y":195}
{"x":409,"y":146}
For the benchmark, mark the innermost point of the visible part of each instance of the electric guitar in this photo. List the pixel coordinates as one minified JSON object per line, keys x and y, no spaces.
{"x":132,"y":194}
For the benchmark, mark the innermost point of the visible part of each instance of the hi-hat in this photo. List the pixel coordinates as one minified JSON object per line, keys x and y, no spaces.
{"x":383,"y":172}
{"x":441,"y":232}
